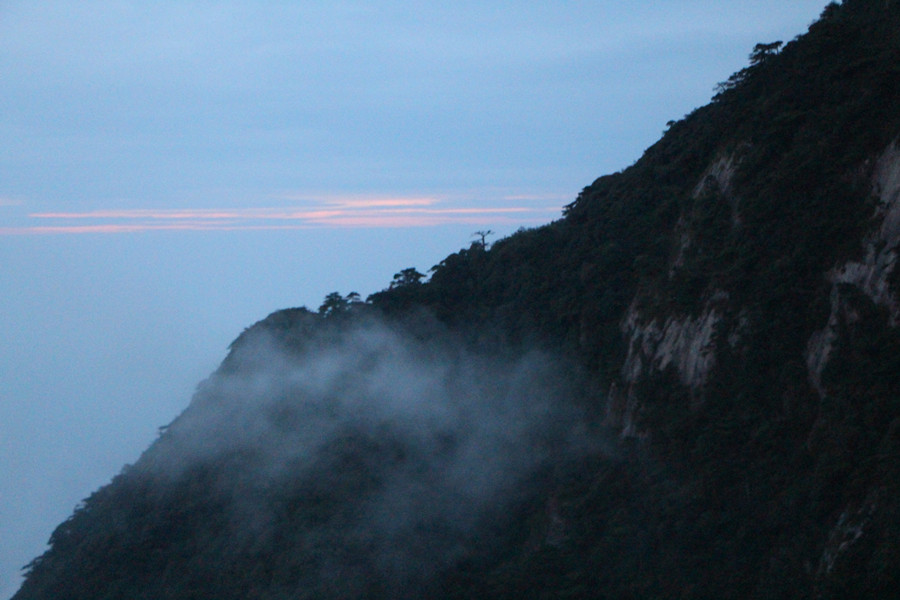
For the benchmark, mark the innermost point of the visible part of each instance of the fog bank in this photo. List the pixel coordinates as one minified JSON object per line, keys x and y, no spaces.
{"x":379,"y":450}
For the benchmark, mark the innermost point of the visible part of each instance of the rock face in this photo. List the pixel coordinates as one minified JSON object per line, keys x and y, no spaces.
{"x":850,"y":527}
{"x":873,"y":275}
{"x":684,"y":343}
{"x":687,"y":343}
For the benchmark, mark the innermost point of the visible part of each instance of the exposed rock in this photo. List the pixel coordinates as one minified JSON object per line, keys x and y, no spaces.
{"x":684,"y":342}
{"x":850,"y":526}
{"x":684,"y":242}
{"x":872,"y":274}
{"x":718,"y":176}
{"x":716,"y":179}
{"x":818,"y":348}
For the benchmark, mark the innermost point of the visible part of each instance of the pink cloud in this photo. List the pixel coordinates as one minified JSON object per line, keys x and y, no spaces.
{"x":326,"y":211}
{"x":361,"y":201}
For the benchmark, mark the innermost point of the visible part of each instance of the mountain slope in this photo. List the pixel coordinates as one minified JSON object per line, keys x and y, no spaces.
{"x":688,"y":386}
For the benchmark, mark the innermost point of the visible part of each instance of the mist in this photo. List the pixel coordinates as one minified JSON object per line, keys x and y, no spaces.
{"x":372,"y":449}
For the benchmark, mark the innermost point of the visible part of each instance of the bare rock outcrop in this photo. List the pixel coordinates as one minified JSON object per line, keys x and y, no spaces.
{"x":872,"y":274}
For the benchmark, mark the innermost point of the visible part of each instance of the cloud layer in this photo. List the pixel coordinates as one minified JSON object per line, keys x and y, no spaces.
{"x":402,"y":445}
{"x":349,"y":211}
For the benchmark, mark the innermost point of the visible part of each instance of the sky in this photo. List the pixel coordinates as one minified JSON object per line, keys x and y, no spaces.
{"x":171,"y":173}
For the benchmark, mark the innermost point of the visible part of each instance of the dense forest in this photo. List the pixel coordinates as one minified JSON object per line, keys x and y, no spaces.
{"x":688,"y":386}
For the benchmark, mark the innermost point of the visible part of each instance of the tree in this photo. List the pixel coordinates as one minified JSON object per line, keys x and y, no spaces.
{"x":482,"y":235}
{"x":763,"y":51}
{"x":407,"y":277}
{"x":334,"y":304}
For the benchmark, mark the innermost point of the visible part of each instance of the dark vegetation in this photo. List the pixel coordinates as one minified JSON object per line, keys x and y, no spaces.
{"x":756,"y":484}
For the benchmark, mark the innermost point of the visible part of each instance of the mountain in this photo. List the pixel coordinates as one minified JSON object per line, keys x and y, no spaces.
{"x":686,"y":387}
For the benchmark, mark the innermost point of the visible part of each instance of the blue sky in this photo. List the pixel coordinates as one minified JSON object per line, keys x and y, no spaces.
{"x":172,"y":172}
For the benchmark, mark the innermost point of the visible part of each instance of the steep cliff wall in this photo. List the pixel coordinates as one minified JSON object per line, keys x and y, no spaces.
{"x":873,"y":275}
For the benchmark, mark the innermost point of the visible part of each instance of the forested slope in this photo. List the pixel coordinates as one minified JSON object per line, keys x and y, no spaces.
{"x":686,"y":387}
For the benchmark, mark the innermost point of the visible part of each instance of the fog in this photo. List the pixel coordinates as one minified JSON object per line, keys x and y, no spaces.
{"x":424,"y":437}
{"x":108,"y":337}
